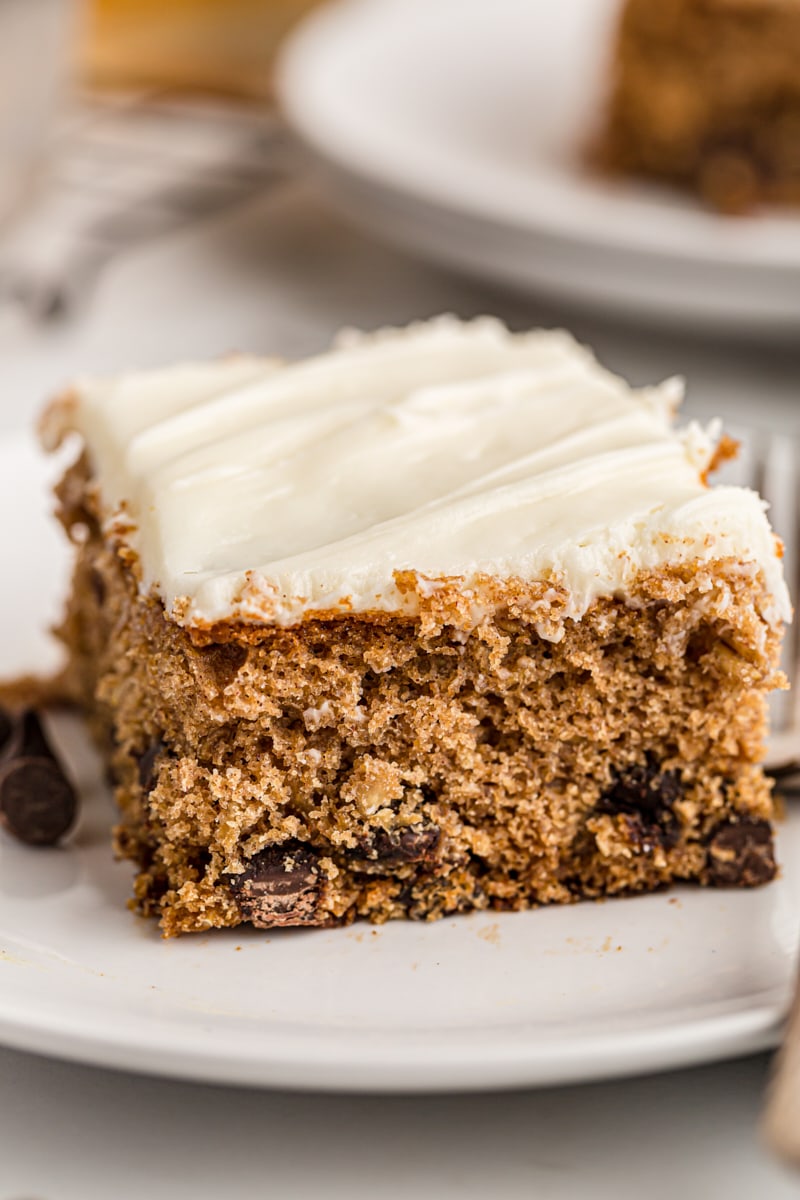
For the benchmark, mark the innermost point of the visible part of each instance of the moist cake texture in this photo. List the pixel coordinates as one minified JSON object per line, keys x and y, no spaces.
{"x":706,"y":94}
{"x":447,"y":618}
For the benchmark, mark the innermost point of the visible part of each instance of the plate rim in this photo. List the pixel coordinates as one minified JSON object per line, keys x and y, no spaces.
{"x":753,"y":1024}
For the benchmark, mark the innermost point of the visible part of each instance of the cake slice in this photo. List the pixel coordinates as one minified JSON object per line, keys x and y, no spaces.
{"x":446,"y":618}
{"x":706,"y":93}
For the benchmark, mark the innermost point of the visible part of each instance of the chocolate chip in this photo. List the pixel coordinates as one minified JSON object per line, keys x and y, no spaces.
{"x":648,"y":795}
{"x":414,"y":844}
{"x":280,"y":886}
{"x":147,"y":765}
{"x":642,"y":789}
{"x":37,"y":801}
{"x":741,"y":853}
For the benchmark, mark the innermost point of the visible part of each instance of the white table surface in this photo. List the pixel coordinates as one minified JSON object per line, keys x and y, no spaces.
{"x":281,"y":275}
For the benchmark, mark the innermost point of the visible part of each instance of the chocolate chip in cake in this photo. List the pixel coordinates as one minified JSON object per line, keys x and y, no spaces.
{"x":648,"y":795}
{"x":642,"y":789}
{"x":741,"y":853}
{"x":147,"y":765}
{"x":281,"y":886}
{"x":413,"y":844}
{"x":37,"y":801}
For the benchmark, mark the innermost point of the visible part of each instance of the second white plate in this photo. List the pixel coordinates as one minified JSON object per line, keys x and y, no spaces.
{"x":458,"y":128}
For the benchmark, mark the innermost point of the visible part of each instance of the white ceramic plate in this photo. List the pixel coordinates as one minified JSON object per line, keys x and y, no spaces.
{"x":478,"y":1002}
{"x":458,"y":128}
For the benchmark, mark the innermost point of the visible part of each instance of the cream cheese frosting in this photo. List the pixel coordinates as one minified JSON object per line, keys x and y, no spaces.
{"x":258,"y":490}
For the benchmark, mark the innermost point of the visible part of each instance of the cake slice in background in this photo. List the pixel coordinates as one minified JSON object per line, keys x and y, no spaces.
{"x":706,"y":94}
{"x":225,"y":46}
{"x":447,"y":618}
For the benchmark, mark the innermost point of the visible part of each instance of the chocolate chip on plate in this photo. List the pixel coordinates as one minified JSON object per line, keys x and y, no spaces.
{"x":280,"y":886}
{"x":37,"y":802}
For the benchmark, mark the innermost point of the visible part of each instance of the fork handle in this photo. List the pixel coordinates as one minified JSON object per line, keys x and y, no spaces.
{"x":781,"y":1120}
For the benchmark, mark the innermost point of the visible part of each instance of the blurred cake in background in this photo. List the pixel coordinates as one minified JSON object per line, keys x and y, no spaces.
{"x":200,"y":45}
{"x":706,"y":93}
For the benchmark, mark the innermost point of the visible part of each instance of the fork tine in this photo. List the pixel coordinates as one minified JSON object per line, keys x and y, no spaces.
{"x":779,"y":486}
{"x":769,"y":463}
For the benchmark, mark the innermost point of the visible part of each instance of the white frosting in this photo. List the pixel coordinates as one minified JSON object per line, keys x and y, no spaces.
{"x":265,"y":491}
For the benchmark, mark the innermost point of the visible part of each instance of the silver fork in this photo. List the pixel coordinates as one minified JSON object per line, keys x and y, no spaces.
{"x":770,"y":463}
{"x":127,"y":170}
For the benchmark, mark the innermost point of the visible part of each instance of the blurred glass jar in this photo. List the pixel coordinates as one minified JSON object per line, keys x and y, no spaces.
{"x":34,"y":54}
{"x":200,"y":45}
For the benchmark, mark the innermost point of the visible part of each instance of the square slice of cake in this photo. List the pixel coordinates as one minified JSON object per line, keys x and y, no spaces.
{"x":445,"y":618}
{"x":706,"y":93}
